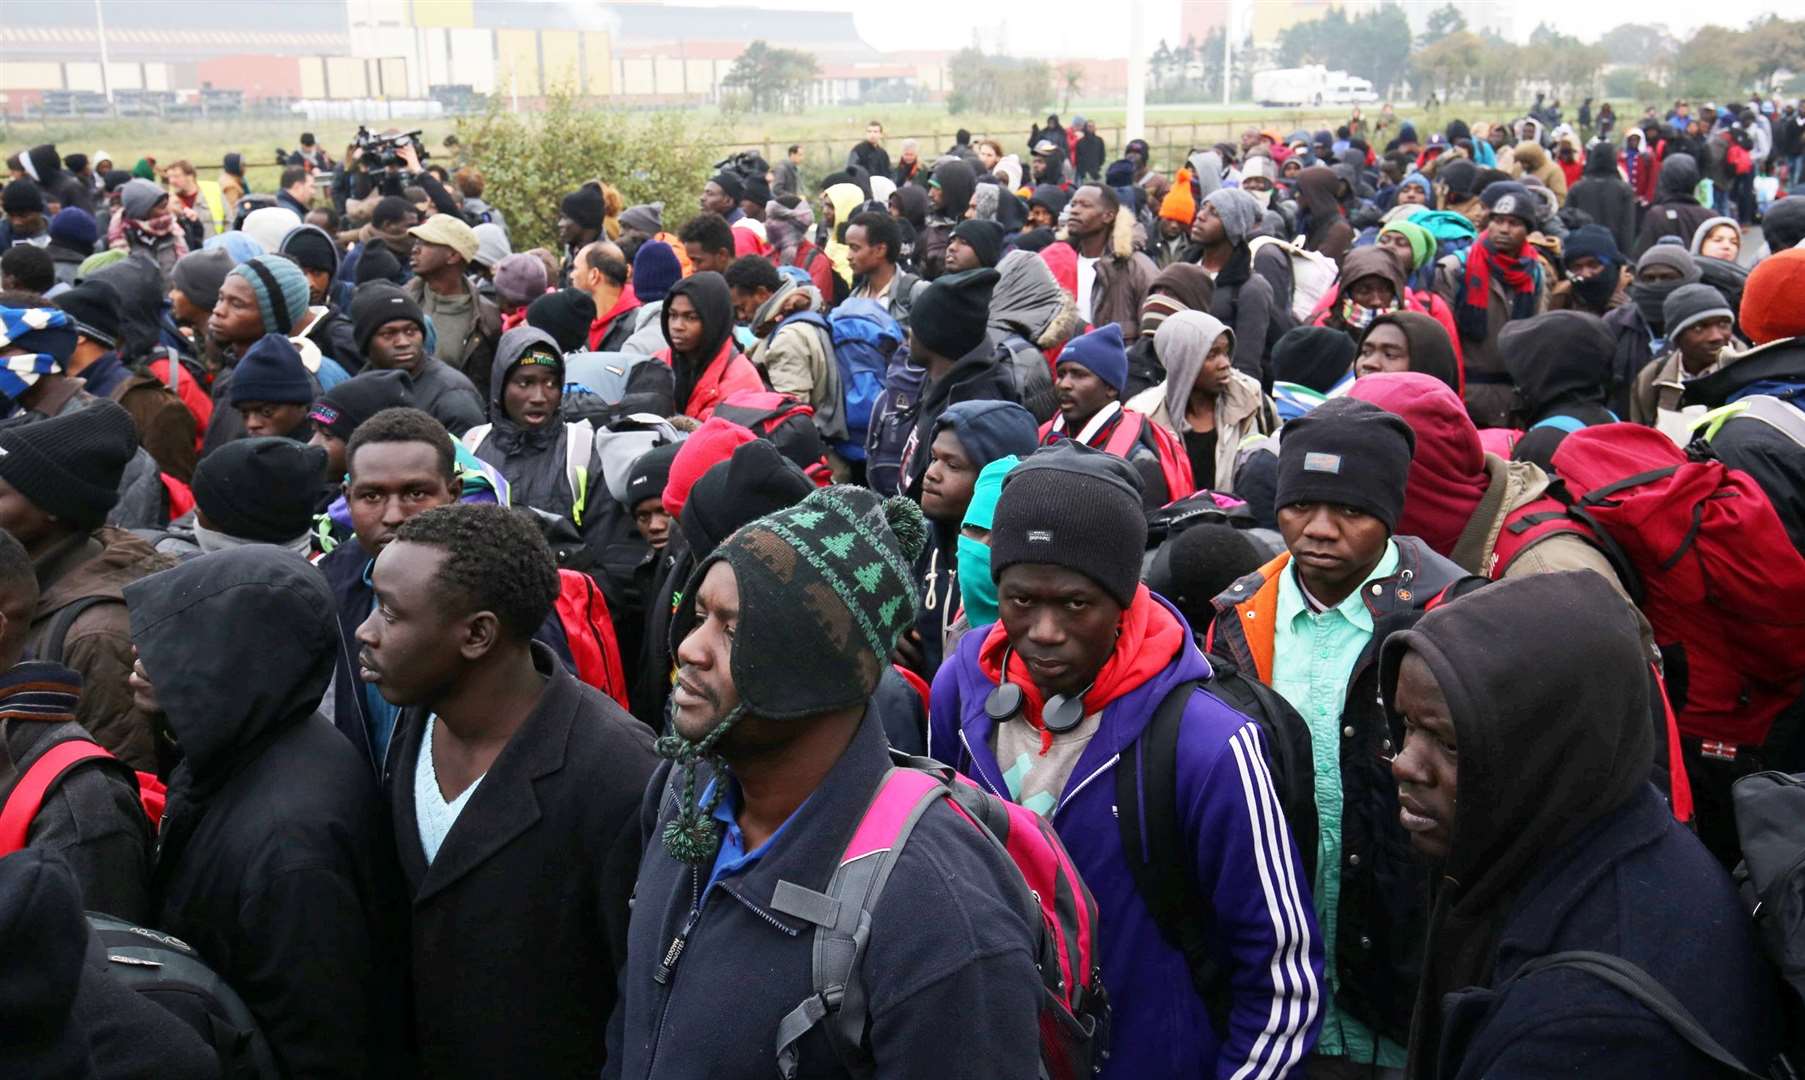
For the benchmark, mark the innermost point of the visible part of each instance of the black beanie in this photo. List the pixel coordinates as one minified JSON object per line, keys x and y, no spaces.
{"x":754,"y":189}
{"x":730,"y":184}
{"x":585,"y":206}
{"x":1347,"y":452}
{"x":377,"y":304}
{"x":985,"y":238}
{"x":271,"y":371}
{"x":311,"y":249}
{"x":261,"y":489}
{"x":565,"y":315}
{"x":647,"y":477}
{"x":70,"y":465}
{"x":377,"y":263}
{"x":953,"y":312}
{"x":1068,"y":505}
{"x":757,"y":480}
{"x":341,"y":409}
{"x":23,"y":196}
{"x":1194,"y":567}
{"x":94,"y":305}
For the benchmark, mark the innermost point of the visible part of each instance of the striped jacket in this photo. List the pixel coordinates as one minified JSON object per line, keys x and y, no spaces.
{"x":1245,"y":862}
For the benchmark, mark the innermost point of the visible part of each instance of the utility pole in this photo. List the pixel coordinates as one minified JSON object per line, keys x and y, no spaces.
{"x":1228,"y":50}
{"x":106,"y":81}
{"x":1135,"y":125}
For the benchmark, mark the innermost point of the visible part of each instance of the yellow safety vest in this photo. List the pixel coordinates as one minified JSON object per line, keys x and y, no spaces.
{"x":216,"y":203}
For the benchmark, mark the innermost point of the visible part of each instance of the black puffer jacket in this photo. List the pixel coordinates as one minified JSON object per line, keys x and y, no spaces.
{"x":274,"y":860}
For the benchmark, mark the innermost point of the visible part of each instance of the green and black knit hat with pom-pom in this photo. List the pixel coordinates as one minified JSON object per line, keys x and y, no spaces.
{"x":826,"y":587}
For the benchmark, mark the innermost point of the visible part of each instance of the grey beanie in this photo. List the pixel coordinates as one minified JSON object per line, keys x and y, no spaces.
{"x":1691,"y":304}
{"x":1239,"y":213}
{"x":1670,"y":255}
{"x":140,"y":197}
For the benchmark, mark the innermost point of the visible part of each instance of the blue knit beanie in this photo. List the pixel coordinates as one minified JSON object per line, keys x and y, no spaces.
{"x":282,"y":293}
{"x":1103,"y":353}
{"x":271,"y":371}
{"x":655,"y":270}
{"x":74,"y":228}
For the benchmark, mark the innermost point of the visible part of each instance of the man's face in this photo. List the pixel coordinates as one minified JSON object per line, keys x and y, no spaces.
{"x":531,"y":395}
{"x":395,"y":237}
{"x":1497,"y":137}
{"x":236,"y":319}
{"x":1372,"y":291}
{"x":277,"y":418}
{"x":1335,"y":547}
{"x":753,"y":209}
{"x":582,"y":275}
{"x":569,"y":232}
{"x":429,"y":259}
{"x":987,"y":156}
{"x":1384,"y":349}
{"x":746,"y":302}
{"x":1702,"y":341}
{"x":1207,"y":228}
{"x":653,"y":523}
{"x":1249,"y":139}
{"x":399,"y":344}
{"x":1585,"y":267}
{"x":335,"y":453}
{"x":703,"y":693}
{"x":1401,"y":251}
{"x":303,"y":192}
{"x":796,"y":157}
{"x":1657,"y":273}
{"x":960,"y":255}
{"x":26,"y":223}
{"x":391,"y":482}
{"x":1427,"y":767}
{"x":1254,"y":184}
{"x":715,"y":200}
{"x":1088,"y":216}
{"x":864,"y":256}
{"x":182,"y":183}
{"x":408,"y":649}
{"x":683,"y":324}
{"x":29,"y":525}
{"x":1412,"y":194}
{"x":703,"y":259}
{"x":947,"y":485}
{"x":184,"y":310}
{"x":874,"y":134}
{"x":318,"y":282}
{"x":1039,"y":217}
{"x":1218,"y":363}
{"x":1081,"y":394}
{"x":1061,"y":623}
{"x":1507,"y":233}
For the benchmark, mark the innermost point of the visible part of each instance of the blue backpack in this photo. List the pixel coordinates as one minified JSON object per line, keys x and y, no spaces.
{"x":864,"y":337}
{"x":893,"y":421}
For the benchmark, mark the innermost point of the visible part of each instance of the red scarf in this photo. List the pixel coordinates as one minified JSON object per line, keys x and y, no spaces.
{"x":1147,"y":638}
{"x":1518,"y":274}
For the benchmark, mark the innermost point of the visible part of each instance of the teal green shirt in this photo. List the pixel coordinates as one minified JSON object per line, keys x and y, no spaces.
{"x":1313,"y":657}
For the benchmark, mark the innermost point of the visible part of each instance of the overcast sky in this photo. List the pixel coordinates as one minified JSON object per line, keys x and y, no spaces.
{"x":1090,"y":28}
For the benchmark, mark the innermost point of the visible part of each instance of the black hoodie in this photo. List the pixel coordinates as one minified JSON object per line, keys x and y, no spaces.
{"x":57,"y":182}
{"x":1561,"y":843}
{"x":1675,"y":211}
{"x":708,"y":292}
{"x":1560,"y":363}
{"x":956,"y":181}
{"x":274,"y":860}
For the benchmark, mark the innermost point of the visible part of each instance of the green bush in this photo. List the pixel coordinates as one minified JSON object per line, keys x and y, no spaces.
{"x":530,"y":162}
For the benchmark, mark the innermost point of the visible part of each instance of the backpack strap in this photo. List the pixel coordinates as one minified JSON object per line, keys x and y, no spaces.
{"x":842,"y":919}
{"x":579,"y":445}
{"x":1128,"y":432}
{"x":1152,"y":837}
{"x":1630,"y":979}
{"x":57,"y":635}
{"x":475,"y":436}
{"x":1568,"y":424}
{"x":28,"y":794}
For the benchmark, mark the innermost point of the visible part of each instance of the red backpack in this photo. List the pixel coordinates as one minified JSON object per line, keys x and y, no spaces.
{"x":1699,"y":547}
{"x":29,"y":792}
{"x":787,"y":422}
{"x":1174,"y":464}
{"x":1074,"y":1008}
{"x":589,"y":630}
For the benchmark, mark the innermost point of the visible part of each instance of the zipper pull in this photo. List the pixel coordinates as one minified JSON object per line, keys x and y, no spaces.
{"x":674,"y":952}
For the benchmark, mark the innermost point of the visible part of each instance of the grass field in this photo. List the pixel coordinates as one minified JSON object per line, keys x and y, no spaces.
{"x":826,"y":134}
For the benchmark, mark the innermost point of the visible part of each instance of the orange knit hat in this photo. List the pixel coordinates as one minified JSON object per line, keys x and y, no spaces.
{"x":1180,"y":204}
{"x":1771,"y":308}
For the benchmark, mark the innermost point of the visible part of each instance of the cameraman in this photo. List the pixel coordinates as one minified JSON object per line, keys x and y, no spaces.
{"x":400,"y":169}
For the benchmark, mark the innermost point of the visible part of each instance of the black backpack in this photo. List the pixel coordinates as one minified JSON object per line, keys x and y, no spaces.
{"x":169,"y":972}
{"x":1148,"y":776}
{"x":1770,"y":825}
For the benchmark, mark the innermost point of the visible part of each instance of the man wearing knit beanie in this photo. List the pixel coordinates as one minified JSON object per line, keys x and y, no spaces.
{"x":949,"y":337}
{"x":73,"y":234}
{"x":258,"y":490}
{"x":272,"y":391}
{"x":391,"y":331}
{"x":781,"y":639}
{"x":1699,"y":325}
{"x":949,"y":318}
{"x":60,"y":478}
{"x":338,"y":412}
{"x":580,"y":217}
{"x":1092,"y":375}
{"x":519,"y":280}
{"x":194,"y":286}
{"x":1595,"y":279}
{"x":566,"y":315}
{"x":95,"y":306}
{"x":645,"y":494}
{"x":1082,"y":657}
{"x":974,"y":243}
{"x":1224,"y":224}
{"x":1310,"y":624}
{"x":655,"y":270}
{"x":721,"y":195}
{"x":23,"y":202}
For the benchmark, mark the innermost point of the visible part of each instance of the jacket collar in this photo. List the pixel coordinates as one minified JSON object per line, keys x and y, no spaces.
{"x":505,"y":804}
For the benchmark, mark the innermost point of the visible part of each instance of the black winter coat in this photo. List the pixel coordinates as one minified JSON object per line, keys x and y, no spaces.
{"x":519,"y":926}
{"x":273,"y":860}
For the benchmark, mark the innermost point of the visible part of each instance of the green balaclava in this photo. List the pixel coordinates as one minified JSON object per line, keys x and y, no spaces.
{"x":826,"y":587}
{"x":977,"y":588}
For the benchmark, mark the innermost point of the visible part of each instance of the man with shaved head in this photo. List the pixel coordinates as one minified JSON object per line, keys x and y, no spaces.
{"x":602,"y":271}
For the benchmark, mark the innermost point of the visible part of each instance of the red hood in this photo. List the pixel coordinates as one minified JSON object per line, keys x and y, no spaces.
{"x":1447,"y":472}
{"x":1147,"y":639}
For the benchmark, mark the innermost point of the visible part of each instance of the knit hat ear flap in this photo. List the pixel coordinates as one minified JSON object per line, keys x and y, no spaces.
{"x":908,"y":524}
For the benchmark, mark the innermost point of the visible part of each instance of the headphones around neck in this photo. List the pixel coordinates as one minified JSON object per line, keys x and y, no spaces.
{"x":1060,"y":714}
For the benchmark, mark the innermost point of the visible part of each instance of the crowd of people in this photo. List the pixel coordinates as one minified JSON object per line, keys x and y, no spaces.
{"x":1001,"y":612}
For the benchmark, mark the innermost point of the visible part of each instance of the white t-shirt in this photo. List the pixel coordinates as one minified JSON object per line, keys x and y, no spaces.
{"x":434,"y":815}
{"x":1087,"y":279}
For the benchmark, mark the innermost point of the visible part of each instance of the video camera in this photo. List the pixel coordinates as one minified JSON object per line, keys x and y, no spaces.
{"x":744,"y":163}
{"x":383,"y":151}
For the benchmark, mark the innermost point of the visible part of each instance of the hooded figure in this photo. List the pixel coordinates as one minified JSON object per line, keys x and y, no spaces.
{"x":715,"y":370}
{"x":1675,"y":211}
{"x":1604,"y":194}
{"x":1557,"y":767}
{"x":1431,"y":350}
{"x":1532,"y":160}
{"x":273,"y":858}
{"x":145,"y":223}
{"x":1319,"y":215}
{"x":549,"y":467}
{"x":1239,"y":411}
{"x":846,"y":199}
{"x":1031,"y":317}
{"x":1560,"y":364}
{"x":1347,"y":314}
{"x":956,"y":182}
